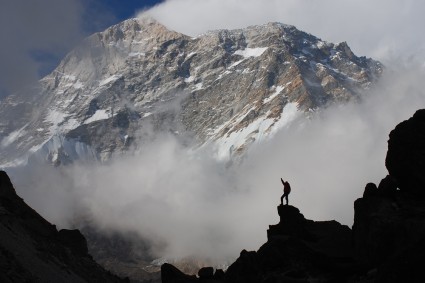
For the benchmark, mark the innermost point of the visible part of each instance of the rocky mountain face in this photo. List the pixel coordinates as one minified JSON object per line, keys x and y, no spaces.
{"x":228,"y":88}
{"x":32,"y":250}
{"x":386,"y":243}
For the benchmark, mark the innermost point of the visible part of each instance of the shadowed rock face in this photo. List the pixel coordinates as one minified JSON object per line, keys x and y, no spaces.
{"x":297,"y":249}
{"x":406,"y":154}
{"x":32,"y":250}
{"x":389,"y":221}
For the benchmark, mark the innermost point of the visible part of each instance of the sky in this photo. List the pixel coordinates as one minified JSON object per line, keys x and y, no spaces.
{"x":37,"y":34}
{"x":202,"y":207}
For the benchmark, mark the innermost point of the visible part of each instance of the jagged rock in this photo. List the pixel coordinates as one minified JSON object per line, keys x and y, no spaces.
{"x":389,"y":222}
{"x":292,"y":223}
{"x":385,"y":226}
{"x":74,"y":240}
{"x":206,"y":273}
{"x":170,"y":274}
{"x":219,"y":274}
{"x":32,"y":250}
{"x":405,"y":159}
{"x":370,"y":190}
{"x":6,"y":188}
{"x":245,"y":269}
{"x":298,"y":250}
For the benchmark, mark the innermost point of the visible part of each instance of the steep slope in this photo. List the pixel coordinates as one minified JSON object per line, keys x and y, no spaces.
{"x":32,"y":250}
{"x":228,"y":88}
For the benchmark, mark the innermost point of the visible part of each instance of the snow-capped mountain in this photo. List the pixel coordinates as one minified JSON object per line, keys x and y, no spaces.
{"x":228,"y":88}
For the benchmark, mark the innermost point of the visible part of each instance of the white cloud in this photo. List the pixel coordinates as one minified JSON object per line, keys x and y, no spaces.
{"x":378,"y":28}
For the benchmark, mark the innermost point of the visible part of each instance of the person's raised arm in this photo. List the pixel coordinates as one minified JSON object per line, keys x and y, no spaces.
{"x":282,"y":181}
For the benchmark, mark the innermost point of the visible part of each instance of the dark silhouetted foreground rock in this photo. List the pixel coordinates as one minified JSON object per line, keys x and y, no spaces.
{"x":297,"y":250}
{"x":170,"y":274}
{"x":32,"y":250}
{"x":405,"y":159}
{"x":387,"y":244}
{"x":389,"y":221}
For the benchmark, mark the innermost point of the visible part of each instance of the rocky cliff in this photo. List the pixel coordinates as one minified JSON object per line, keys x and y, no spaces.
{"x":386,"y":244}
{"x":389,"y":222}
{"x":32,"y":250}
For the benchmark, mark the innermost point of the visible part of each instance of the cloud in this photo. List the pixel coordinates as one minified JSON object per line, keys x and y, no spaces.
{"x":36,"y":35}
{"x":31,"y":32}
{"x":376,"y":29}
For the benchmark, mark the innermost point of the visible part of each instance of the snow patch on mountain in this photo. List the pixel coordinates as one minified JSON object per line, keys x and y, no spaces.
{"x":277,"y":91}
{"x":100,"y":114}
{"x":260,"y":129}
{"x":108,"y":80}
{"x":251,"y":52}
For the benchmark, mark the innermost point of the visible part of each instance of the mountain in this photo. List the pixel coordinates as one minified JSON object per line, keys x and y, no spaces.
{"x":386,"y":243}
{"x":225,"y":88}
{"x":32,"y":250}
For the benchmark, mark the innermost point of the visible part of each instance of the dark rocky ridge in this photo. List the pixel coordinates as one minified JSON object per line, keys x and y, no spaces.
{"x":32,"y":250}
{"x":387,"y":243}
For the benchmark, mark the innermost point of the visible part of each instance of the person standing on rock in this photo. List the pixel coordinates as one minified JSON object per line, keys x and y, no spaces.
{"x":286,"y":191}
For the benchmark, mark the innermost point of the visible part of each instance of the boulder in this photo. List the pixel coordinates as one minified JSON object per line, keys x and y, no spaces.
{"x":370,"y":190}
{"x":171,"y":274}
{"x":206,"y":273}
{"x":405,"y":159}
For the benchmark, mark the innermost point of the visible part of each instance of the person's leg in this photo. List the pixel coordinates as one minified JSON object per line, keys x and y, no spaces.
{"x":281,"y":199}
{"x":287,"y":199}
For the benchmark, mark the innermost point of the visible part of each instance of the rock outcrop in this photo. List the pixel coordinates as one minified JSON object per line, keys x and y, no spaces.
{"x":389,"y":221}
{"x":406,"y":154}
{"x":32,"y":250}
{"x":297,"y":250}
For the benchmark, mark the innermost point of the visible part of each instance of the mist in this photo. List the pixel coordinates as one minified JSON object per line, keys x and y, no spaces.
{"x":188,"y":203}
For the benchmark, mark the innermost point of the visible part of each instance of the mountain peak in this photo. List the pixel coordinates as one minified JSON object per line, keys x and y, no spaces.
{"x":92,"y":105}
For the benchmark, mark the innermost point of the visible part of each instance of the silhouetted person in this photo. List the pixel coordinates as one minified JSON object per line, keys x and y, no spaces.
{"x":286,"y":191}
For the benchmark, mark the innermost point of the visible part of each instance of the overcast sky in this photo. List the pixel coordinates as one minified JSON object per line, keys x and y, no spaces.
{"x":200,"y":207}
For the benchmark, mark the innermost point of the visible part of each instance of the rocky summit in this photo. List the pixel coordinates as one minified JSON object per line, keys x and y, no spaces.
{"x":32,"y":250}
{"x":227,"y":88}
{"x":385,"y":245}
